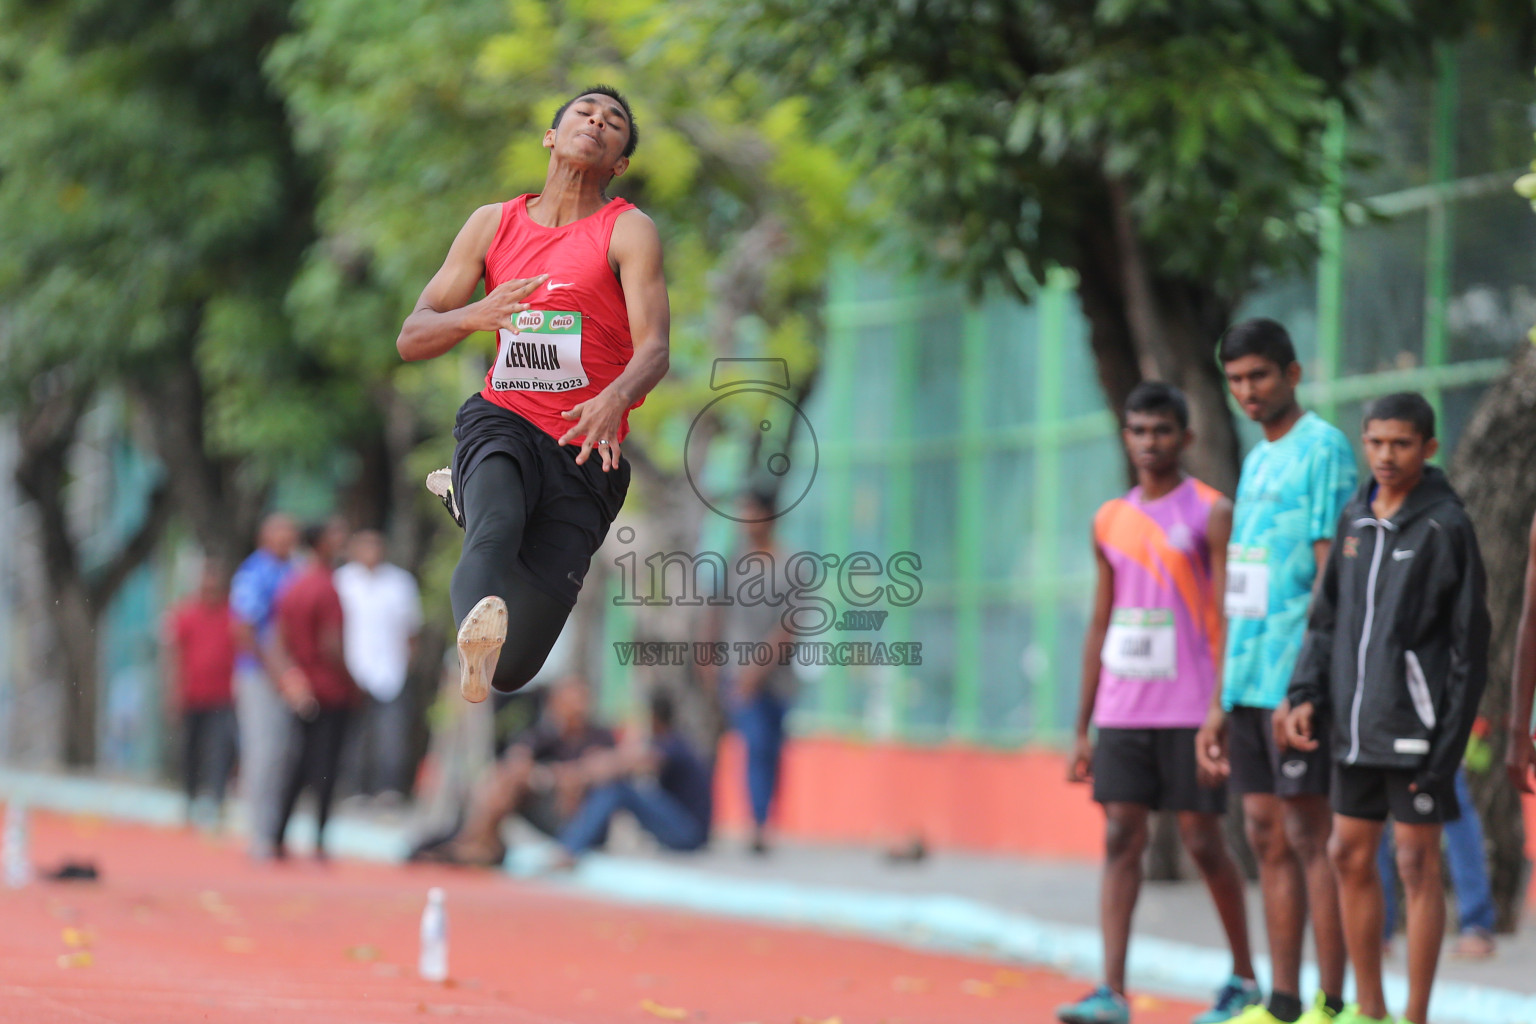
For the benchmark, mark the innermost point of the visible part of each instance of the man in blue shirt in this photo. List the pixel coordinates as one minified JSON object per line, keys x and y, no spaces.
{"x":662,"y":782}
{"x":262,"y":714}
{"x":1294,"y":485}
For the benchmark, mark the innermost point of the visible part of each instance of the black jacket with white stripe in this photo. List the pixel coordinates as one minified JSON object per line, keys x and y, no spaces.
{"x":1396,"y":648}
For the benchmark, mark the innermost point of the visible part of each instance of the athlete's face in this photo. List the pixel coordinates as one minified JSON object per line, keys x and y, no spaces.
{"x":1154,"y":441}
{"x":1397,"y":452}
{"x":1263,"y":388}
{"x":593,"y":131}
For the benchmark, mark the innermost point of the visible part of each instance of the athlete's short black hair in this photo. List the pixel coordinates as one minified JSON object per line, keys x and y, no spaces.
{"x":1154,"y":396}
{"x":1260,"y":336}
{"x":1408,"y":406}
{"x":617,"y":97}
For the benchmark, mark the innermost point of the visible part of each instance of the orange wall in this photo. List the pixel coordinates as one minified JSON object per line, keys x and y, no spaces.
{"x":956,"y":797}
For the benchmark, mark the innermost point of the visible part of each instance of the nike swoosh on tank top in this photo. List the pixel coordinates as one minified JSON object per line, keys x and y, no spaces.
{"x":574,"y":339}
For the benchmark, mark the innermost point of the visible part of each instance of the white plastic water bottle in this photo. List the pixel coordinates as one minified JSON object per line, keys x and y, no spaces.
{"x":433,"y":965}
{"x":17,"y":862}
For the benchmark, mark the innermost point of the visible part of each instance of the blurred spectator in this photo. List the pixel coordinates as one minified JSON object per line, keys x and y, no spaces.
{"x":262,"y":716}
{"x":382,"y":616}
{"x":307,"y":649}
{"x":543,"y":777}
{"x":757,"y":697}
{"x":660,"y":780}
{"x":200,"y":647}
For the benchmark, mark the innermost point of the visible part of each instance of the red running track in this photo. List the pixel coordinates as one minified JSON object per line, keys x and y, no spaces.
{"x":182,"y":928}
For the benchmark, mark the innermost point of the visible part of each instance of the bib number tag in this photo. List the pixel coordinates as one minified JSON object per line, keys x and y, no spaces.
{"x":1141,"y":644}
{"x":1247,"y":582}
{"x":544,"y":356}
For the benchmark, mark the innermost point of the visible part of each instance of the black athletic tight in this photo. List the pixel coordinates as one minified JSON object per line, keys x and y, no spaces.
{"x":494,"y":517}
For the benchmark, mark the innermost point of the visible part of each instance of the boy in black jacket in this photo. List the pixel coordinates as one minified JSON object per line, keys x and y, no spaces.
{"x":1397,"y":651}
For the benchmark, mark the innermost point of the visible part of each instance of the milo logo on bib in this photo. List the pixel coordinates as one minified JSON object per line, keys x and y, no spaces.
{"x":544,"y":354}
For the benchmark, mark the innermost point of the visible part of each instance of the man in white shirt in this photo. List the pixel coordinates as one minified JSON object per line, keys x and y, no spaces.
{"x":381,"y":609}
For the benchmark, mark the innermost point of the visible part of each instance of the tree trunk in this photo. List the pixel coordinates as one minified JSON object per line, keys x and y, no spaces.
{"x":1144,"y":325}
{"x":1491,"y":468}
{"x":1174,"y":326}
{"x":47,"y":432}
{"x":207,"y":489}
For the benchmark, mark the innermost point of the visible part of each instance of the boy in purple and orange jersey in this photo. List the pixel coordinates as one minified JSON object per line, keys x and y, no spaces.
{"x":1150,"y":665}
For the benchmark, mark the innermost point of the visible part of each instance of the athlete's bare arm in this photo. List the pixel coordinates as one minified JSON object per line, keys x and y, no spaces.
{"x":1218,"y":533}
{"x":1320,"y":549}
{"x":444,"y":316}
{"x":1518,"y":756}
{"x":1211,"y":738}
{"x":1080,"y":766}
{"x":634,"y":250}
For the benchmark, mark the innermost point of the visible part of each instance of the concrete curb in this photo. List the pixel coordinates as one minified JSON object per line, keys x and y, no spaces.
{"x":931,"y":921}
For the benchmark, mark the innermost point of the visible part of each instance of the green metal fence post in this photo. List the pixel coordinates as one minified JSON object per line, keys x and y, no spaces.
{"x":842,"y":358}
{"x":971,"y":516}
{"x":1330,"y":266}
{"x":1437,"y":270}
{"x":898,"y":523}
{"x":1050,"y":386}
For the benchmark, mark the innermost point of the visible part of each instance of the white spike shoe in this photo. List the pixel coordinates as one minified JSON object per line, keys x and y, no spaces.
{"x":481,"y":635}
{"x":440,"y":483}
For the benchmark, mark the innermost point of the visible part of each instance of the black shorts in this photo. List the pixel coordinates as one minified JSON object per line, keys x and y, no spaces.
{"x":1257,"y":765}
{"x":1373,"y":793}
{"x":1152,"y":767}
{"x":569,"y":507}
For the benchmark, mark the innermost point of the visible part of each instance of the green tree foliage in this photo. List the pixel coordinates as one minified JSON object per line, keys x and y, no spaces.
{"x":150,"y":209}
{"x":1170,"y":154}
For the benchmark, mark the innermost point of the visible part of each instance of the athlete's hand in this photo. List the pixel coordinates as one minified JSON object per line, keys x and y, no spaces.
{"x":1080,"y":763}
{"x":1517,"y":761}
{"x":1277,"y":720}
{"x":498,"y":310}
{"x":1211,"y":762}
{"x":597,"y":420}
{"x":1298,"y":728}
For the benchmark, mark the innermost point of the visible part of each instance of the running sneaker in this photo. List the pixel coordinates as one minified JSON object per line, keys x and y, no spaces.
{"x":1231,"y":999}
{"x":1319,"y":1013}
{"x":1258,"y":1013}
{"x":1101,"y":1006}
{"x":1351,"y":1015}
{"x":481,"y":635}
{"x":440,"y":483}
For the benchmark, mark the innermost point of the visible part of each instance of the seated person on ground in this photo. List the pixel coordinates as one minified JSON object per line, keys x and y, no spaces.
{"x":660,"y":780}
{"x":542,"y":777}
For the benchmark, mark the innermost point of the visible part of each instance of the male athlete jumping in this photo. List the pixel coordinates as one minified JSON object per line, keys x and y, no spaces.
{"x":575,"y":289}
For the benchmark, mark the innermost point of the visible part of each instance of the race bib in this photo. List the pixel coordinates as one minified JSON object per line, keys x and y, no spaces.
{"x":544,"y":356}
{"x":1141,"y":644}
{"x":1247,"y":582}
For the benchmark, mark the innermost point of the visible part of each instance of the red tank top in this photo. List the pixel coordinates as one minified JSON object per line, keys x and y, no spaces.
{"x":575,"y":339}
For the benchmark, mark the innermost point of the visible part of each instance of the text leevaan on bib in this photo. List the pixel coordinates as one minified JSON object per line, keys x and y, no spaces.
{"x":1141,"y":644}
{"x":545,"y":354}
{"x":1247,"y":582}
